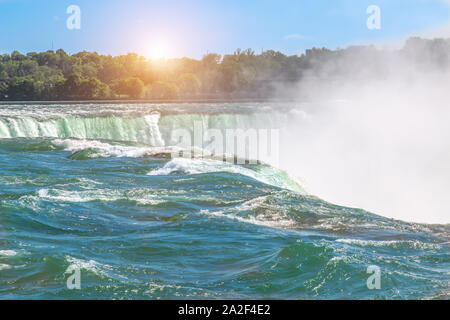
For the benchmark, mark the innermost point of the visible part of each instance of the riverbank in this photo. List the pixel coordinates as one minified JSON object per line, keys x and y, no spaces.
{"x":141,"y":101}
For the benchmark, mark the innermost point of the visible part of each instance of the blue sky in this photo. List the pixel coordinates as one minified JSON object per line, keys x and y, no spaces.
{"x":194,"y":27}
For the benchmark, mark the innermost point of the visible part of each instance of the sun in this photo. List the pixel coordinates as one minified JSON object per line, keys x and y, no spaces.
{"x":157,"y":51}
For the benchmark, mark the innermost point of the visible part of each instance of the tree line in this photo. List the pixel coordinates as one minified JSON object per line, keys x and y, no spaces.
{"x":85,"y":75}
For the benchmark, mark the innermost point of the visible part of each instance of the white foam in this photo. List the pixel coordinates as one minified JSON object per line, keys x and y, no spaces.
{"x":268,"y":219}
{"x":90,"y":265}
{"x":8,"y":253}
{"x":274,"y":221}
{"x":4,"y":266}
{"x":105,"y":149}
{"x":391,"y":243}
{"x":105,"y":195}
{"x":266,"y":174}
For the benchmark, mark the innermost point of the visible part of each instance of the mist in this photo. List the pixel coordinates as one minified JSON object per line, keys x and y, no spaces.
{"x":372,"y":132}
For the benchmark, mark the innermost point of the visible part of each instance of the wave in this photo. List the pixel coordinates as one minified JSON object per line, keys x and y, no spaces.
{"x":90,"y":266}
{"x":395,"y":244}
{"x":262,"y":173}
{"x":104,"y":195}
{"x":82,"y":149}
{"x":8,"y":253}
{"x":267,"y":219}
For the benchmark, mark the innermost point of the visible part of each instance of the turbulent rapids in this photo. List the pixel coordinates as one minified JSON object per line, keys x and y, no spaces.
{"x":98,"y":187}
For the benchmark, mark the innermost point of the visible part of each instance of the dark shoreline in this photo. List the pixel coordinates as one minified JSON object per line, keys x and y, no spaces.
{"x":150,"y":101}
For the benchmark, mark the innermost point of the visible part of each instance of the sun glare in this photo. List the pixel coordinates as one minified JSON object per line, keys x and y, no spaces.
{"x":157,"y":51}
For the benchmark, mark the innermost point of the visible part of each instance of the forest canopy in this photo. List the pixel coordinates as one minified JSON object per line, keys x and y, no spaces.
{"x":85,"y":75}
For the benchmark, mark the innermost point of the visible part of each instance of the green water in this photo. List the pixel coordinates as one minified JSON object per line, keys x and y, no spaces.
{"x":93,"y":187}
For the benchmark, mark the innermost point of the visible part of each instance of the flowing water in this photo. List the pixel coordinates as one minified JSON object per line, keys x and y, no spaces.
{"x":92,"y":186}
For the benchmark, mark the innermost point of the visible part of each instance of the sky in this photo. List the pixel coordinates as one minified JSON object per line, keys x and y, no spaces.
{"x":192,"y":28}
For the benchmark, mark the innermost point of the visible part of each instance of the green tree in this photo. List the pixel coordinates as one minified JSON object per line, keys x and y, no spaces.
{"x":3,"y":89}
{"x":71,"y":87}
{"x":92,"y":88}
{"x":132,"y":87}
{"x":17,"y":56}
{"x":189,"y":83}
{"x":163,"y":90}
{"x":24,"y":88}
{"x":135,"y":87}
{"x":48,"y":58}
